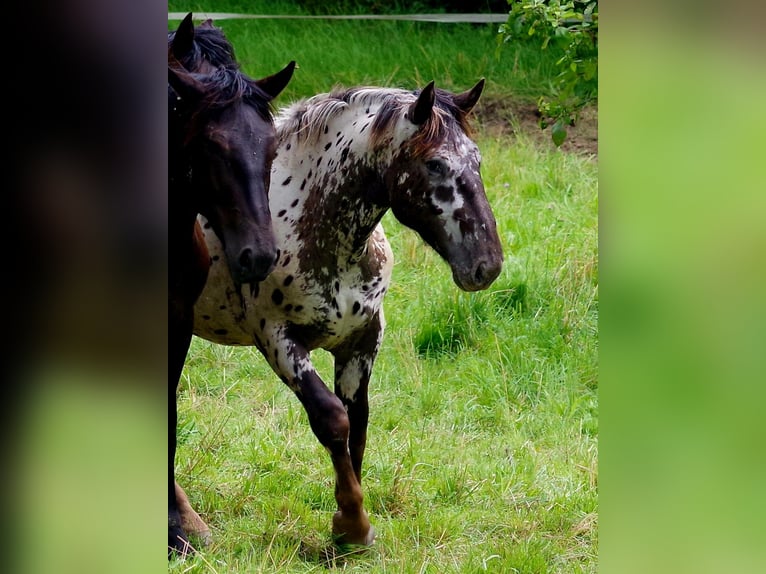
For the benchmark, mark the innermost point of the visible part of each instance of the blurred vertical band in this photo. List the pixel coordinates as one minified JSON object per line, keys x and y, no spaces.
{"x":682,"y":235}
{"x":84,"y":285}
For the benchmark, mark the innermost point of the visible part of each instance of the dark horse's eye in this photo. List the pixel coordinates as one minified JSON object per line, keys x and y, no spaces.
{"x":436,"y":167}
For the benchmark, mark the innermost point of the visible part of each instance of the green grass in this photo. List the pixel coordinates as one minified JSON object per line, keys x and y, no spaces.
{"x":483,"y":435}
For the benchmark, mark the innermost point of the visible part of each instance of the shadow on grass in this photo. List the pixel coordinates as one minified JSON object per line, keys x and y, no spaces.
{"x":328,"y":554}
{"x":456,"y":324}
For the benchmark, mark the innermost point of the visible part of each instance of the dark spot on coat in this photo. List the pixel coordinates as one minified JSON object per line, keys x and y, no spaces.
{"x":343,"y":155}
{"x":221,"y":307}
{"x":288,"y":146}
{"x":277,"y":296}
{"x":319,"y":160}
{"x":207,"y":225}
{"x":288,"y":180}
{"x":288,"y":280}
{"x":206,"y":317}
{"x":302,"y":186}
{"x":356,"y":307}
{"x":262,"y":324}
{"x":281,"y":212}
{"x":338,"y":315}
{"x":286,"y":261}
{"x":288,"y":307}
{"x":221,"y":332}
{"x":327,"y":146}
{"x":298,"y":308}
{"x":215,"y":257}
{"x":445,"y":194}
{"x":295,"y":201}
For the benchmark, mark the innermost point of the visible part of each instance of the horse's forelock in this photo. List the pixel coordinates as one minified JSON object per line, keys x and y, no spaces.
{"x":226,"y":85}
{"x":447,"y":121}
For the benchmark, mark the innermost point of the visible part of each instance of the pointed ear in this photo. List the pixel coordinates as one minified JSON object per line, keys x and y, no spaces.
{"x":183,"y":41}
{"x":185,"y":85}
{"x":467,"y":100}
{"x":273,"y":85}
{"x":420,"y":110}
{"x":207,"y":23}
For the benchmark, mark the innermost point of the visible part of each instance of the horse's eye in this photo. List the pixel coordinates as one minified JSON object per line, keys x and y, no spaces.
{"x":436,"y":167}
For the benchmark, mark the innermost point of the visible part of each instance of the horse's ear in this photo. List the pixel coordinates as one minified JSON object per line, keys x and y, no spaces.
{"x":184,"y":84}
{"x":420,"y":110}
{"x":467,"y":100}
{"x":273,"y":85}
{"x":183,"y":41}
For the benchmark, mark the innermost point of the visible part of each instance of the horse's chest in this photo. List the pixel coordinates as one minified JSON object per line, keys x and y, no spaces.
{"x":323,"y":313}
{"x":324,"y":308}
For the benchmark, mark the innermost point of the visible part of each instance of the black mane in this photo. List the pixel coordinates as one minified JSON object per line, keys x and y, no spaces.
{"x":211,"y":45}
{"x":227,"y":83}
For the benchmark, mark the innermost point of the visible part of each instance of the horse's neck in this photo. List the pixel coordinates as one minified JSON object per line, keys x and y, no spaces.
{"x":343,"y":216}
{"x":336,"y":180}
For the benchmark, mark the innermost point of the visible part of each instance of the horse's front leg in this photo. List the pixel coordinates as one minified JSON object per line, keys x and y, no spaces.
{"x":192,"y":522}
{"x":330,"y":423}
{"x":180,"y":334}
{"x":188,"y":273}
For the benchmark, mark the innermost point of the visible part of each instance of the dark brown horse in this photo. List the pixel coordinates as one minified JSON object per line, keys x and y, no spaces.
{"x":221,"y":141}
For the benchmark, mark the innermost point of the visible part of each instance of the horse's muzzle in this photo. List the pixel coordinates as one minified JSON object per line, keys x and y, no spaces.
{"x":480,"y":276}
{"x":253,"y":266}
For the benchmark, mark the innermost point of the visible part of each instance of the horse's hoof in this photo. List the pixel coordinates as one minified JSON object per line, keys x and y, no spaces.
{"x":178,"y":544}
{"x":205,"y":537}
{"x":347,"y":533}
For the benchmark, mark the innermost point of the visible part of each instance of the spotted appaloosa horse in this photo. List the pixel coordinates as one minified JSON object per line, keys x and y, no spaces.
{"x":221,"y":143}
{"x":343,"y":160}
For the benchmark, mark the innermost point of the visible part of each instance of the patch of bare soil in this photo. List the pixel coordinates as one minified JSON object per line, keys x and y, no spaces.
{"x":504,"y":117}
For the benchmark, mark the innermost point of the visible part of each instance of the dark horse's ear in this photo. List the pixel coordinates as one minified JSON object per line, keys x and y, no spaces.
{"x":273,"y":85}
{"x":420,"y":110}
{"x":185,"y":85}
{"x":467,"y":100}
{"x":183,"y":41}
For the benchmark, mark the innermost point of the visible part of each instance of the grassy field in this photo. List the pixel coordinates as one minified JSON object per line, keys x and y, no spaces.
{"x":483,"y":436}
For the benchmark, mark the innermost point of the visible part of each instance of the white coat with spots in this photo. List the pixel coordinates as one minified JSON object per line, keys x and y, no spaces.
{"x":343,"y":160}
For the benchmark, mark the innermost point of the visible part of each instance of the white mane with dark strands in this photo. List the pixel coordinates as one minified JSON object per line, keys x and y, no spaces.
{"x":306,"y":119}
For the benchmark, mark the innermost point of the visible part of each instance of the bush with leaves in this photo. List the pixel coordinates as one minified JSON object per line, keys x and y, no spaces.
{"x":572,"y":27}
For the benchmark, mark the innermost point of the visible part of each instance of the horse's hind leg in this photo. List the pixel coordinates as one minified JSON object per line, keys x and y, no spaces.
{"x":353,"y":369}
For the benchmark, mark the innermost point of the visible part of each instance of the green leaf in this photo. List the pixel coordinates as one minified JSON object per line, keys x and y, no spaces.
{"x":558,"y":133}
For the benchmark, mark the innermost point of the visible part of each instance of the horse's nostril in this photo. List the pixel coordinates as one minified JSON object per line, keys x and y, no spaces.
{"x":246,"y":258}
{"x":479,"y":274}
{"x":263,"y":263}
